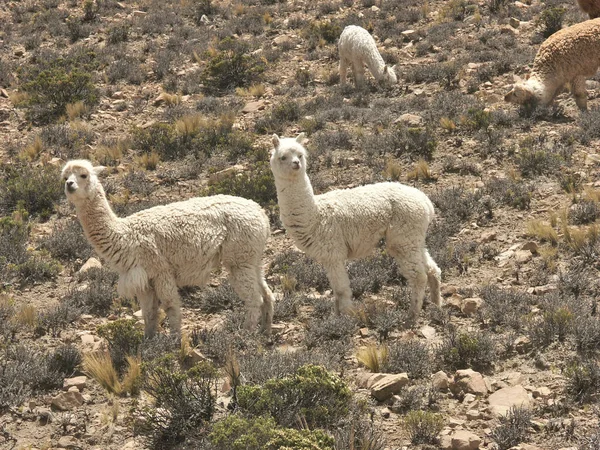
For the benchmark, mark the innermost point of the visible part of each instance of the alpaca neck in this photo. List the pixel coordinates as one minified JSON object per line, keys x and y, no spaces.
{"x":376,"y":66}
{"x":101,"y":225}
{"x":297,"y":204}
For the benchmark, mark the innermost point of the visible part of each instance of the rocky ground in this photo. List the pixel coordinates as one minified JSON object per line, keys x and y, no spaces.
{"x":180,"y":98}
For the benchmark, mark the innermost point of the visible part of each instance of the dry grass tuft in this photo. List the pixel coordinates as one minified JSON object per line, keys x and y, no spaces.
{"x":372,"y":357}
{"x":100,"y":367}
{"x":542,"y":231}
{"x":76,"y":110}
{"x":149,"y":161}
{"x":33,"y":151}
{"x":133,"y":377}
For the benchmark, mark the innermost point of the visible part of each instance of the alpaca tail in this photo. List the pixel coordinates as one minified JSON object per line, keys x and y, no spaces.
{"x":434,"y":278}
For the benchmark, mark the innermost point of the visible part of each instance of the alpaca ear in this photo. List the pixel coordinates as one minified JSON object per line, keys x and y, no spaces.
{"x":275,"y":141}
{"x":99,"y":169}
{"x":385,"y":69}
{"x":300,"y":138}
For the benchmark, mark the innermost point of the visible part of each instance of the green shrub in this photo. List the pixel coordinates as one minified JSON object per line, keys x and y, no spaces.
{"x":35,"y":188}
{"x":124,"y":339}
{"x":280,"y":115}
{"x":53,"y":88}
{"x":423,"y":427}
{"x":313,"y":393}
{"x":321,"y":31}
{"x":513,"y":429}
{"x":550,"y":20}
{"x":257,"y":184}
{"x":411,"y":356}
{"x":231,"y":65}
{"x":583,"y":380}
{"x":474,"y":350}
{"x":184,"y":402}
{"x":38,"y":267}
{"x":262,"y":433}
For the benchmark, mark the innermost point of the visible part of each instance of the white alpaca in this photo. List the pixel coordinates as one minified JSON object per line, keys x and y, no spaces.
{"x":348,"y":224}
{"x":567,"y":57}
{"x":357,"y":48}
{"x":157,"y":250}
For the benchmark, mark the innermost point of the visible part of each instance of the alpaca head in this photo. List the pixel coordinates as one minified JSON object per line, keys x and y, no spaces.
{"x":524,"y":91}
{"x":81,"y":180}
{"x":389,"y":75}
{"x":288,"y":157}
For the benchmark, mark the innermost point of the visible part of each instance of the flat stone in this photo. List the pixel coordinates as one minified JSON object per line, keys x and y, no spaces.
{"x":474,"y":414}
{"x":138,"y":314}
{"x":389,"y":385}
{"x":139,"y":13}
{"x":366,"y":379}
{"x":77,"y":382}
{"x":258,"y":105}
{"x":68,"y":442}
{"x":543,"y":393}
{"x":471,"y":305}
{"x":282,"y":40}
{"x":522,"y":344}
{"x":514,"y":22}
{"x":428,"y":332}
{"x":66,"y":401}
{"x":412,"y":120}
{"x":523,"y":256}
{"x":465,"y":440}
{"x":92,"y":263}
{"x":364,"y":332}
{"x":469,"y":398}
{"x":503,"y":399}
{"x":470,"y":382}
{"x":87,"y":339}
{"x":221,"y":175}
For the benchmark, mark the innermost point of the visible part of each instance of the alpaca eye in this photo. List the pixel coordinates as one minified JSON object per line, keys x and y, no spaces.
{"x":65,"y":178}
{"x":283,"y":158}
{"x":84,"y":176}
{"x":299,"y":156}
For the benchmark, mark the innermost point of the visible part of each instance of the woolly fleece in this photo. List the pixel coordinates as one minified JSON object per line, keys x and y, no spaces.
{"x":569,"y":56}
{"x":157,"y":250}
{"x":348,"y":224}
{"x":591,"y":7}
{"x":357,"y":48}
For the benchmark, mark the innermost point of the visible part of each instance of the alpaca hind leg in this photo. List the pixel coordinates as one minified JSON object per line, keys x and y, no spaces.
{"x":245,"y":283}
{"x":149,"y":304}
{"x":412,"y":266}
{"x":338,"y":278}
{"x":168,"y":294}
{"x":579,"y":92}
{"x":434,"y":277}
{"x":358,"y":69}
{"x":267,"y":305}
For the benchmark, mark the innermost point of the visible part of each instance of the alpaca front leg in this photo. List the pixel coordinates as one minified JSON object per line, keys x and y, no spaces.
{"x":245,"y":283}
{"x":359,"y":73}
{"x":338,"y":278}
{"x":267,"y":305}
{"x":149,"y":304}
{"x":343,"y":71}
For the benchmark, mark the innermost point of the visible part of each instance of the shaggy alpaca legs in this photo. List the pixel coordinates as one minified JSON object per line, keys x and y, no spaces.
{"x":267,"y":305}
{"x":166,"y":290}
{"x":338,"y":278}
{"x":149,"y":304}
{"x":245,"y":283}
{"x":434,"y":276}
{"x":358,"y":69}
{"x":413,"y":265}
{"x":579,"y":92}
{"x":343,"y":71}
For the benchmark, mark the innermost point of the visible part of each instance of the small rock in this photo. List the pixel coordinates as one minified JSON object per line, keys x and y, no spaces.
{"x":446,"y":443}
{"x":364,"y":332}
{"x":3,"y":93}
{"x":386,"y":413}
{"x":523,"y":256}
{"x":522,"y":344}
{"x":68,"y":442}
{"x":205,"y":20}
{"x":469,"y":381}
{"x":503,"y":399}
{"x":92,"y":263}
{"x":439,"y":380}
{"x":87,"y":339}
{"x":412,"y":120}
{"x":389,"y":385}
{"x":221,"y":175}
{"x":117,"y":95}
{"x":543,"y":393}
{"x":44,"y":416}
{"x":428,"y":332}
{"x":410,"y":35}
{"x":474,"y":414}
{"x":76,"y":382}
{"x":531,"y":246}
{"x":19,"y":52}
{"x":465,"y":440}
{"x":138,"y":314}
{"x":66,"y":401}
{"x":514,"y":22}
{"x":375,"y":8}
{"x":258,"y":105}
{"x":488,"y":236}
{"x":471,"y":305}
{"x":138,"y":13}
{"x":468,"y":398}
{"x":282,"y":40}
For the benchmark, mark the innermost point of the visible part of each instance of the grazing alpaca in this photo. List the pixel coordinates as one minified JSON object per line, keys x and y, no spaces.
{"x":569,"y":56}
{"x":357,"y":48}
{"x":348,"y":224}
{"x":157,"y":250}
